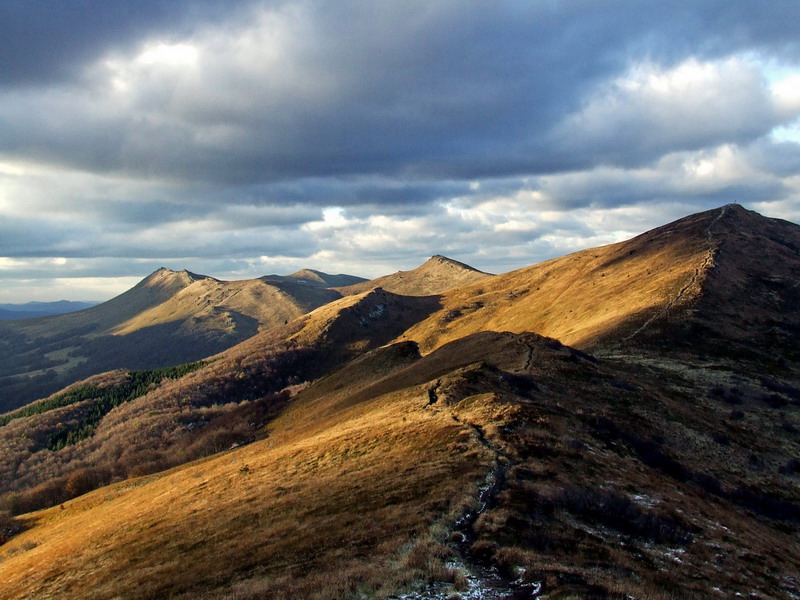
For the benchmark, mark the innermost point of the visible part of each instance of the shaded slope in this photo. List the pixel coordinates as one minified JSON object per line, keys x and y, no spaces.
{"x":168,"y":318}
{"x":203,"y":412}
{"x":434,"y":276}
{"x":317,"y":278}
{"x":634,"y":291}
{"x":13,"y":315}
{"x":750,"y":300}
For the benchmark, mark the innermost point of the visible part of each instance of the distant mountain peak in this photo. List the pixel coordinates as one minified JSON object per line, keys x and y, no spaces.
{"x":440,"y":259}
{"x":316,"y":278}
{"x":309,"y":274}
{"x":164,"y":275}
{"x":434,"y":276}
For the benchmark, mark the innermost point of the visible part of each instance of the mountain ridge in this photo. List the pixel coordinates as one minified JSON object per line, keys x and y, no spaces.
{"x":30,"y":310}
{"x":317,"y":278}
{"x":392,"y":445}
{"x":169,"y":317}
{"x":437,"y":274}
{"x":604,"y":296}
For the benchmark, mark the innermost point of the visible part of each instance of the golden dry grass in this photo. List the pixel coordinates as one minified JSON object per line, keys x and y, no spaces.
{"x":168,"y":318}
{"x":581,"y":297}
{"x":434,"y":276}
{"x":151,"y":291}
{"x":209,"y":300}
{"x":361,"y":476}
{"x":318,"y":494}
{"x":358,"y":483}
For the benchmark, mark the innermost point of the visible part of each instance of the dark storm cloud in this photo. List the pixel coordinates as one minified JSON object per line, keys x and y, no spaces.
{"x":781,"y":159}
{"x":366,"y":192}
{"x":607,"y":190}
{"x":47,"y":41}
{"x":33,"y":237}
{"x":125,"y":231}
{"x":412,"y":89}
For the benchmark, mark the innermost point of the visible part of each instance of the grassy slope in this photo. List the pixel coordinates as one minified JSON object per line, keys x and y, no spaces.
{"x":230,"y":392}
{"x":362,"y":477}
{"x":269,"y":303}
{"x":317,"y":278}
{"x":692,"y":461}
{"x":727,"y":274}
{"x":168,"y":318}
{"x":158,"y":287}
{"x":320,"y":503}
{"x":582,"y":296}
{"x":436,"y":275}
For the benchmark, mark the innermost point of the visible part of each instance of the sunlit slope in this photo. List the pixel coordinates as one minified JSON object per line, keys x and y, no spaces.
{"x":319,"y":507}
{"x":434,"y":276}
{"x":153,"y":290}
{"x":316,"y":278}
{"x":168,"y":318}
{"x":216,"y":405}
{"x":340,"y":496}
{"x":621,"y":292}
{"x":39,"y":356}
{"x":359,"y":487}
{"x":208,"y":301}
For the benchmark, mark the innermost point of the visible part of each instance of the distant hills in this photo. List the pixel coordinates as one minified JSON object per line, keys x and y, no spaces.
{"x":619,"y":422}
{"x":317,"y":278}
{"x":168,"y":318}
{"x":434,"y":276}
{"x":30,"y":310}
{"x":172,"y":317}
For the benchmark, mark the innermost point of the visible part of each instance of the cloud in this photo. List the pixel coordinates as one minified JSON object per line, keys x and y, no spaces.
{"x":49,"y":41}
{"x":364,"y":88}
{"x":650,"y":111}
{"x":356,"y":136}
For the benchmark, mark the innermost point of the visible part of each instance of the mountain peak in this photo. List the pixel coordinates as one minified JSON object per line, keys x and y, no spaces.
{"x":170,"y":281}
{"x":163,"y":273}
{"x":311,"y":274}
{"x":440,"y":259}
{"x":434,"y":276}
{"x":315,"y":278}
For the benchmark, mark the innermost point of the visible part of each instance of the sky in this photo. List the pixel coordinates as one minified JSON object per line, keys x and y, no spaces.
{"x":239,"y":139}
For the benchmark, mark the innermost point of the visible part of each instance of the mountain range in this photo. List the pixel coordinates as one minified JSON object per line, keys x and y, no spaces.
{"x":30,"y":310}
{"x":621,"y":422}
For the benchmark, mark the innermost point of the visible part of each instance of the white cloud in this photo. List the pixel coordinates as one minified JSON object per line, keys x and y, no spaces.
{"x":656,"y":109}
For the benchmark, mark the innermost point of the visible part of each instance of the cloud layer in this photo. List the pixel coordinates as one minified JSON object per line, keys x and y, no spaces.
{"x":362,"y":137}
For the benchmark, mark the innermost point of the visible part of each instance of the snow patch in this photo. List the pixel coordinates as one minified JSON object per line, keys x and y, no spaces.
{"x":674,"y":554}
{"x":487,"y":586}
{"x":376,"y":313}
{"x":644,"y":500}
